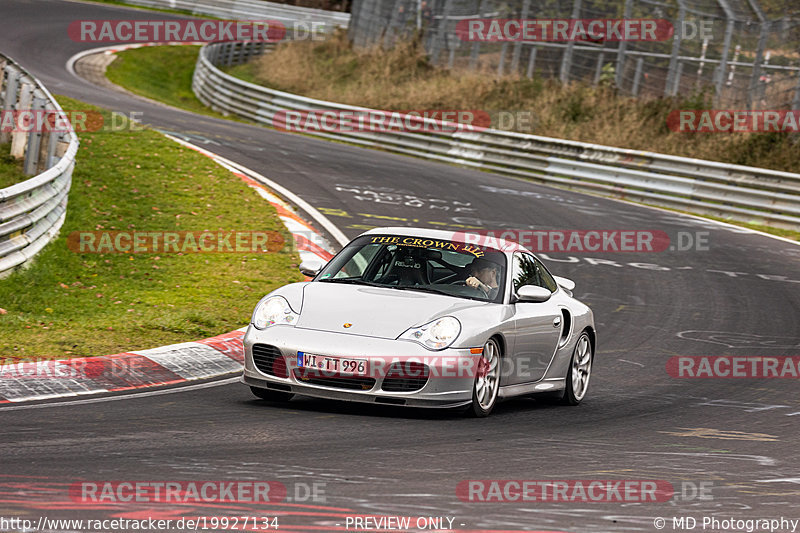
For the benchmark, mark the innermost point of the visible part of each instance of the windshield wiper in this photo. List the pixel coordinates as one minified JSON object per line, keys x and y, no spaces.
{"x":353,"y":281}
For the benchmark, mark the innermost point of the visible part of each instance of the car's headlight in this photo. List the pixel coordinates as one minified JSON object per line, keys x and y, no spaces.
{"x":436,"y":335}
{"x":273,"y":311}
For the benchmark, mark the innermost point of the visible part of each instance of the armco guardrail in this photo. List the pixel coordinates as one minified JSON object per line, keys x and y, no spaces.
{"x":32,"y":212}
{"x":252,"y":9}
{"x":735,"y":192}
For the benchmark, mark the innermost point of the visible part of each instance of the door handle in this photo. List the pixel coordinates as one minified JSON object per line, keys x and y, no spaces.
{"x":556,"y":321}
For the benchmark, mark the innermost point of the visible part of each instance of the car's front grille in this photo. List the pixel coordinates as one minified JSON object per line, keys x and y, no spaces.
{"x":315,"y":377}
{"x":406,"y":377}
{"x":268,"y":359}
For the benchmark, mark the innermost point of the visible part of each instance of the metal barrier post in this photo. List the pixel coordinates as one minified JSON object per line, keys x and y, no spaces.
{"x":34,"y":138}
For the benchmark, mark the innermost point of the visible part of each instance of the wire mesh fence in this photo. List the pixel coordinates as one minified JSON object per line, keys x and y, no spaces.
{"x":743,"y":54}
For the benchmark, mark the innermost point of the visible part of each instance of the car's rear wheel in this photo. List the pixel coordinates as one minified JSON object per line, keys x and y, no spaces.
{"x":487,"y":380}
{"x":272,"y":395}
{"x":580,"y":370}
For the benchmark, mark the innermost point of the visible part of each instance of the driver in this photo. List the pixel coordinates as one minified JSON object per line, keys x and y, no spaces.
{"x":483,"y":276}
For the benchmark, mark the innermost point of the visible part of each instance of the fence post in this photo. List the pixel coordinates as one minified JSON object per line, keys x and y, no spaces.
{"x":440,"y":32}
{"x":755,"y":76}
{"x":389,"y":34}
{"x":719,"y":74}
{"x":354,"y":27}
{"x":676,"y":46}
{"x":701,"y":65}
{"x":623,"y":47}
{"x":637,"y":78}
{"x":19,"y":138}
{"x":10,"y":100}
{"x":676,"y":83}
{"x":732,"y":70}
{"x":531,"y":61}
{"x":502,"y":64}
{"x":526,"y":4}
{"x":566,"y":59}
{"x":598,"y":70}
{"x":473,"y":54}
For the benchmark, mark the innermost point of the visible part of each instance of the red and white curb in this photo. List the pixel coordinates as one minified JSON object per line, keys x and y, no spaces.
{"x":177,"y":363}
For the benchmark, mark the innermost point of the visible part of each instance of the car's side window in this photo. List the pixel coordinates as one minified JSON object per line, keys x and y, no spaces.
{"x":355,"y":266}
{"x":545,"y":278}
{"x":530,"y":271}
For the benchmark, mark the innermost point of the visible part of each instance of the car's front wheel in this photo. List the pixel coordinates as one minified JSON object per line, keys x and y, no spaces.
{"x":272,"y":395}
{"x":580,"y":370}
{"x":487,"y":380}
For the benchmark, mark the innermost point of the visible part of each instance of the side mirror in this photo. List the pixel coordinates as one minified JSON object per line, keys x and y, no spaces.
{"x":565,"y":283}
{"x":311,"y":267}
{"x":533,"y":293}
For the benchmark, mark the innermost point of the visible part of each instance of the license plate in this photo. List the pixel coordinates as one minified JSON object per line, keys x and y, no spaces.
{"x":338,"y":365}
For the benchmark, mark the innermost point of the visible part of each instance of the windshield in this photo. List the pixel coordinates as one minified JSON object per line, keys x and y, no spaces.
{"x":439,"y":266}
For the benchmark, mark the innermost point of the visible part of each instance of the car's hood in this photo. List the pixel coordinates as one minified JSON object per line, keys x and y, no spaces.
{"x":372,"y":311}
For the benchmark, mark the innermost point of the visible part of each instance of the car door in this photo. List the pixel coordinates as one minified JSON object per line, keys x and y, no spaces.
{"x":537,"y":325}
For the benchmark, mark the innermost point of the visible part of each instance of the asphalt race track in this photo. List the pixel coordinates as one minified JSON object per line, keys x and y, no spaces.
{"x":740,"y":297}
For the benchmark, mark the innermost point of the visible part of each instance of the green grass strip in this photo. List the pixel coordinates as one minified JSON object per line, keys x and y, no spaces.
{"x":69,"y":304}
{"x":10,"y":168}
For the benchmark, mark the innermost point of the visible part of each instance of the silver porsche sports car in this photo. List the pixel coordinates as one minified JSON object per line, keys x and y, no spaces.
{"x":423,"y":318}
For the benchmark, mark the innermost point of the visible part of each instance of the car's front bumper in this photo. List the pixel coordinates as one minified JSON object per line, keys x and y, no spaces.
{"x":451,"y":371}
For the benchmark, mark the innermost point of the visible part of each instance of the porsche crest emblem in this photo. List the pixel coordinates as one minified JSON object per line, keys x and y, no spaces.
{"x":346,"y":325}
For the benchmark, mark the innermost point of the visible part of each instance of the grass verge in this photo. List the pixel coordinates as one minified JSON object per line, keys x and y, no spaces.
{"x":69,"y":304}
{"x":162,"y":73}
{"x":10,"y":168}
